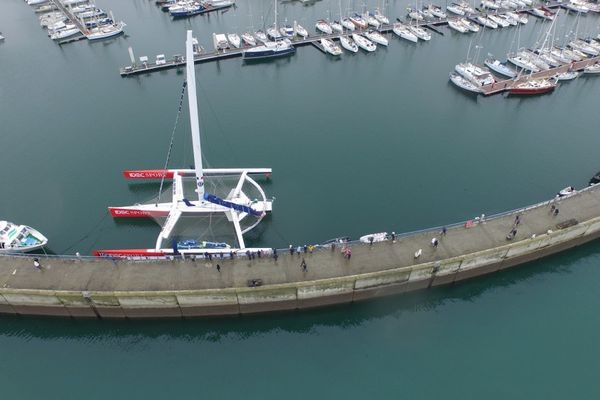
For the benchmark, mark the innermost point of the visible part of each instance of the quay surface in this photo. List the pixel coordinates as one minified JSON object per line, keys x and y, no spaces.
{"x":313,"y":39}
{"x":107,"y":288}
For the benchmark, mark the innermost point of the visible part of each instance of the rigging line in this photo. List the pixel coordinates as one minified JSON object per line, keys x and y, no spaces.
{"x":227,"y":142}
{"x":87,"y":235}
{"x":162,"y":179}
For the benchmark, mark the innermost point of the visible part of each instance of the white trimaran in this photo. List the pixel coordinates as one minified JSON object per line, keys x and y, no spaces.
{"x":235,"y":207}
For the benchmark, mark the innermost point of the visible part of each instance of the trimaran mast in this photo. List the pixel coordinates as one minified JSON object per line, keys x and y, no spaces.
{"x":194,"y":121}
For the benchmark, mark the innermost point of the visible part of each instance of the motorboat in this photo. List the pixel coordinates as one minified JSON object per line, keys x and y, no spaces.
{"x":287,"y":31}
{"x":300,"y":30}
{"x":106,"y":31}
{"x":248,"y":39}
{"x":463,"y":83}
{"x":337,"y":27}
{"x":569,"y":190}
{"x":419,"y":32}
{"x":348,"y":44}
{"x":472,"y":26}
{"x":501,"y":22}
{"x":595,"y":179}
{"x":235,"y":40}
{"x":533,"y":86}
{"x":220,"y":41}
{"x":480,"y":76}
{"x":500,"y":68}
{"x":269,"y":49}
{"x":20,"y":238}
{"x":592,"y":69}
{"x":348,"y":24}
{"x":457,"y":25}
{"x":186,"y":9}
{"x":330,"y":47}
{"x":324,"y":27}
{"x":359,"y":21}
{"x":380,"y":17}
{"x":567,"y":76}
{"x":376,"y":37}
{"x":364,"y":43}
{"x":455,"y":9}
{"x":404,"y":32}
{"x":486,"y":22}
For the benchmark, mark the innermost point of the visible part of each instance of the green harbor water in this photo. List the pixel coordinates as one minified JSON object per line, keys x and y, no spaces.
{"x":364,"y":143}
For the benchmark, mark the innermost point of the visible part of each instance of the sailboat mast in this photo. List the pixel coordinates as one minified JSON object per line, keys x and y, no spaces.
{"x":195,"y":125}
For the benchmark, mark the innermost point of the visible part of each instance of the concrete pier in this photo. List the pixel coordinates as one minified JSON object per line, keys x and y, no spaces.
{"x":107,"y":288}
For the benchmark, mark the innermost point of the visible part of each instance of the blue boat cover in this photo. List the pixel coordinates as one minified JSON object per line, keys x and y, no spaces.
{"x":217,"y":200}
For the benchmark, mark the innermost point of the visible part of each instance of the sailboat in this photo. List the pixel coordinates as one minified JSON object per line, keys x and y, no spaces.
{"x":235,"y":207}
{"x":270,"y":49}
{"x":330,"y":47}
{"x":348,"y":44}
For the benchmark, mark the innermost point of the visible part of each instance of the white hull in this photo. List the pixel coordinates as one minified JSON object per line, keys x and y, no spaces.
{"x":348,"y":44}
{"x":405,"y":33}
{"x":364,"y":43}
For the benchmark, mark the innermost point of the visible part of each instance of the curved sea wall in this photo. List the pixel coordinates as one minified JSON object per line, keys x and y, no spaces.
{"x":105,"y":288}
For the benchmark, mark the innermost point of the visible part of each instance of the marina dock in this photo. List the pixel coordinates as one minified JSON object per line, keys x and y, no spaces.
{"x":73,"y":286}
{"x":314,"y":40}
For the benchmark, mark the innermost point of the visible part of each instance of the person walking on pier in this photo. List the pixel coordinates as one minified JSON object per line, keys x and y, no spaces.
{"x":303,"y":265}
{"x":218,"y":268}
{"x":36,"y":263}
{"x":275,"y":255}
{"x":443,"y":231}
{"x":434,"y":243}
{"x":291,"y":250}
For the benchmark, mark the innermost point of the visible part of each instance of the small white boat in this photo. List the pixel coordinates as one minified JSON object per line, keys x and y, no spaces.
{"x":561,"y":55}
{"x":480,"y":76}
{"x":543,"y":13}
{"x":381,"y":18}
{"x":324,"y":27}
{"x":273,"y":33}
{"x":248,"y":39}
{"x":374,"y":237}
{"x":457,"y":25}
{"x":261,"y":36}
{"x":300,"y":30}
{"x":486,"y":22}
{"x":490,"y":5}
{"x":330,"y":47}
{"x":348,"y":24}
{"x":455,"y":9}
{"x":464,"y":83}
{"x":348,"y":44}
{"x":523,"y":63}
{"x":235,"y":40}
{"x":534,"y":59}
{"x":419,"y":32}
{"x":106,"y":31}
{"x":592,"y":69}
{"x":501,"y":22}
{"x":436,"y":11}
{"x":287,"y":31}
{"x":576,"y":6}
{"x":472,"y":26}
{"x":466,"y":7}
{"x":567,"y":76}
{"x":1,"y":37}
{"x":64,"y":33}
{"x":19,"y":238}
{"x":220,"y":41}
{"x":511,"y":21}
{"x":519,"y":17}
{"x":364,"y":43}
{"x":584,"y":47}
{"x":402,"y":31}
{"x":502,"y":69}
{"x":337,"y":27}
{"x":566,"y":191}
{"x":415,"y":14}
{"x":376,"y":37}
{"x":359,"y":22}
{"x":371,"y":20}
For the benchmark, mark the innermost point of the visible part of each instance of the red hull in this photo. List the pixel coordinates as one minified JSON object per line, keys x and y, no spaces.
{"x":148,"y":174}
{"x":128,"y":253}
{"x":117,"y":212}
{"x":527,"y":91}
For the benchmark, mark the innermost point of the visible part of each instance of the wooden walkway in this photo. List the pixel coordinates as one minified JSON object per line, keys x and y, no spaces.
{"x":507,"y":84}
{"x":176,"y":62}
